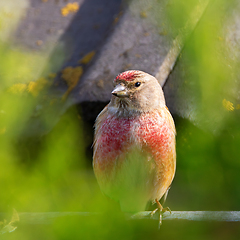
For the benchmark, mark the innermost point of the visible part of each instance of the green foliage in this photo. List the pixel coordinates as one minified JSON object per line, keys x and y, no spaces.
{"x":51,"y":172}
{"x":46,"y":172}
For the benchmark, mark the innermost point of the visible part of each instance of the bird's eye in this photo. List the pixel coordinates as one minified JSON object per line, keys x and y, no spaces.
{"x":137,"y":84}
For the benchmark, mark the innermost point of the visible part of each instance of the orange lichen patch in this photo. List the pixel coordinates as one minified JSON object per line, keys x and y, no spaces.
{"x":36,"y":87}
{"x":31,"y":87}
{"x":71,"y":76}
{"x":116,"y":19}
{"x":70,"y":8}
{"x":18,"y":88}
{"x":227,"y":105}
{"x":39,"y":42}
{"x":87,"y":58}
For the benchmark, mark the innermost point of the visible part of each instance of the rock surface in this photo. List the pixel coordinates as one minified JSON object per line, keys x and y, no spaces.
{"x":124,"y":35}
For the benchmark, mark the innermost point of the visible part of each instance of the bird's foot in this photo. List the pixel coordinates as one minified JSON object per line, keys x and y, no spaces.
{"x":161,"y":212}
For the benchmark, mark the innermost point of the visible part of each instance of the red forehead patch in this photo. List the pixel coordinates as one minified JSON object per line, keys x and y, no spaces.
{"x":127,"y":76}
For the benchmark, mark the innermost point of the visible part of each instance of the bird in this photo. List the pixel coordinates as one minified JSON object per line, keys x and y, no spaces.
{"x":134,"y":153}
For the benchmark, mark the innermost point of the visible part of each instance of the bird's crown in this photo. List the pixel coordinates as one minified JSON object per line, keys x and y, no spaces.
{"x":127,"y":76}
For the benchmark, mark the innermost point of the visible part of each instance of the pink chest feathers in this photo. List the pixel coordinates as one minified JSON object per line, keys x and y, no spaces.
{"x":150,"y":131}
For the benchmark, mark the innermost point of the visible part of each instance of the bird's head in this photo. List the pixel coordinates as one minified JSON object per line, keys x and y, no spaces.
{"x":136,"y":92}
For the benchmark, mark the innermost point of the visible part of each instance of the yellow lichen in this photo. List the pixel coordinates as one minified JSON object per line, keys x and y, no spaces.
{"x":18,"y":88}
{"x":227,"y":105}
{"x":71,"y":76}
{"x":87,"y":58}
{"x":36,"y":87}
{"x":70,"y":8}
{"x":31,"y":87}
{"x":143,"y":14}
{"x":100,"y":83}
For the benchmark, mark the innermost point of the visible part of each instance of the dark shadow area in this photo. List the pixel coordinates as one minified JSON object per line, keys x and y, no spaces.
{"x":89,"y":28}
{"x":89,"y":112}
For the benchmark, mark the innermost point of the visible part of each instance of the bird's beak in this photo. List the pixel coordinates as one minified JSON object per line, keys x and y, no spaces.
{"x":120,"y":91}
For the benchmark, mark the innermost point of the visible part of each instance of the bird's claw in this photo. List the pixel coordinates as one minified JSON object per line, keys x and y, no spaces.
{"x":161,"y":212}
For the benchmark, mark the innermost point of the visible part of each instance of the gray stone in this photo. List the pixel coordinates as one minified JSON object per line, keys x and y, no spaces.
{"x":137,"y":42}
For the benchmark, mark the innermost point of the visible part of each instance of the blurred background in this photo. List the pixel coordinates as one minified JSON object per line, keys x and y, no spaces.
{"x":58,"y":59}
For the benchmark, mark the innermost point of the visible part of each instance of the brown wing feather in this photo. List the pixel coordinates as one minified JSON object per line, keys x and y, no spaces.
{"x":100,"y":118}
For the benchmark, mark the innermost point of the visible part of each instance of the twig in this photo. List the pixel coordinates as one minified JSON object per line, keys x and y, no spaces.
{"x":226,"y":216}
{"x":49,"y":217}
{"x":178,"y":43}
